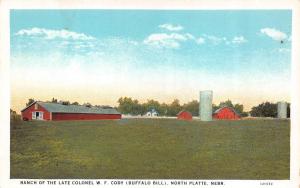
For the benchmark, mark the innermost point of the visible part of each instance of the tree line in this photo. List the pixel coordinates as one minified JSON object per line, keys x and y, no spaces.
{"x":128,"y":105}
{"x":267,"y":109}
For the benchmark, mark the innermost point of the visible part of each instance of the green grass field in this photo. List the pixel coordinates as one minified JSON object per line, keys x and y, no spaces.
{"x":151,"y":148}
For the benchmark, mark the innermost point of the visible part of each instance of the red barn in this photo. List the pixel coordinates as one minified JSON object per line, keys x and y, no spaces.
{"x":184,"y":115}
{"x":56,"y":111}
{"x":226,"y":113}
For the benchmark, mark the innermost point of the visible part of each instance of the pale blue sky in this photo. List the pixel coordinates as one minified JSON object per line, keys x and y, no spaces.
{"x":143,"y":47}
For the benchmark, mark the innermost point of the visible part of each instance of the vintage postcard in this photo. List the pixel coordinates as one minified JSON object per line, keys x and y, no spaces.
{"x":150,"y":96}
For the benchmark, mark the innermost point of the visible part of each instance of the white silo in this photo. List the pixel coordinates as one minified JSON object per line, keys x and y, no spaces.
{"x":282,"y":109}
{"x":205,"y":106}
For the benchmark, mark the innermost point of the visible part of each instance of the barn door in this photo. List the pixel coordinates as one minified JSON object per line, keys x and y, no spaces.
{"x":41,"y":115}
{"x":33,"y":115}
{"x":38,"y":115}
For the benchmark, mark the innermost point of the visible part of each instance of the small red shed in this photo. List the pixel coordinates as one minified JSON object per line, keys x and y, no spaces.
{"x":226,"y":113}
{"x":184,"y":115}
{"x":56,"y":111}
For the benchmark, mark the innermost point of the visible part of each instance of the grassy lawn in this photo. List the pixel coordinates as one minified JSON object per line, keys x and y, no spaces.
{"x":151,"y":148}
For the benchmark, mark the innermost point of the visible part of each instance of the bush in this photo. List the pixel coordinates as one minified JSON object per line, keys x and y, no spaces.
{"x":265,"y":109}
{"x":15,"y":119}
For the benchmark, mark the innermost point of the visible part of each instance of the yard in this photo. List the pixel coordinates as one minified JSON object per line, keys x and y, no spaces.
{"x":151,"y":148}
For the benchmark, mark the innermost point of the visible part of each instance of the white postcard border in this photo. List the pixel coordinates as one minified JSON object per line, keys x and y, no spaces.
{"x":7,"y":5}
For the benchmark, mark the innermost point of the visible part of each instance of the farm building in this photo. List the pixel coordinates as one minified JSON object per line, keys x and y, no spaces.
{"x":152,"y":113}
{"x":226,"y":113}
{"x":184,"y":115}
{"x":56,"y":111}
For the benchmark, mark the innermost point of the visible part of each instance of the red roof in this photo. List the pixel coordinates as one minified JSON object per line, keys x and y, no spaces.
{"x":226,"y":113}
{"x":185,"y":115}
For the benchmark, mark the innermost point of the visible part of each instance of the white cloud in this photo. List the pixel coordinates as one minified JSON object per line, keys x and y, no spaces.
{"x":200,"y":40}
{"x":167,"y":40}
{"x":53,"y":34}
{"x":171,"y":27}
{"x":238,"y":40}
{"x":215,"y":40}
{"x":284,"y":50}
{"x":174,"y":40}
{"x":274,"y":33}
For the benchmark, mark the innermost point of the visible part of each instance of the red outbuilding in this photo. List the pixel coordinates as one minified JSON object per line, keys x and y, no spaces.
{"x":184,"y":115}
{"x":226,"y":113}
{"x":57,"y":111}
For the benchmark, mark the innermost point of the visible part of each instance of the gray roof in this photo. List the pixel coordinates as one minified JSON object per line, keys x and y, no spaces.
{"x":226,"y":107}
{"x":60,"y":108}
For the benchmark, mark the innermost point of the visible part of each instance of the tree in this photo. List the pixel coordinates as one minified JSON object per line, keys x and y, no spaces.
{"x":30,"y":101}
{"x":54,"y":100}
{"x":164,"y":108}
{"x":192,"y":107}
{"x":136,"y":108}
{"x":214,"y":107}
{"x":152,"y":104}
{"x":65,"y":102}
{"x":14,"y":117}
{"x":129,"y":106}
{"x":227,"y":103}
{"x":12,"y":112}
{"x":239,"y":108}
{"x":87,"y":104}
{"x":75,"y":103}
{"x":265,"y":109}
{"x":174,"y":108}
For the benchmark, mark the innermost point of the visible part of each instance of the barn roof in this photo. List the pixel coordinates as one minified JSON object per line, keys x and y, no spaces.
{"x":60,"y":108}
{"x":218,"y":110}
{"x":183,"y":111}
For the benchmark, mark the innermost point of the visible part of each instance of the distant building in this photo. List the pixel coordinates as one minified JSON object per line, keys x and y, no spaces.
{"x":184,"y":115}
{"x":152,"y":113}
{"x":226,"y":113}
{"x":57,"y":111}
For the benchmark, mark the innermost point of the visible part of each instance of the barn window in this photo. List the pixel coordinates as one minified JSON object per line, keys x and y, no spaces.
{"x":38,"y":115}
{"x":35,"y":106}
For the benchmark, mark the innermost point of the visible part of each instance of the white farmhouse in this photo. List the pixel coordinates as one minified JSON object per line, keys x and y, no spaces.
{"x":152,"y":113}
